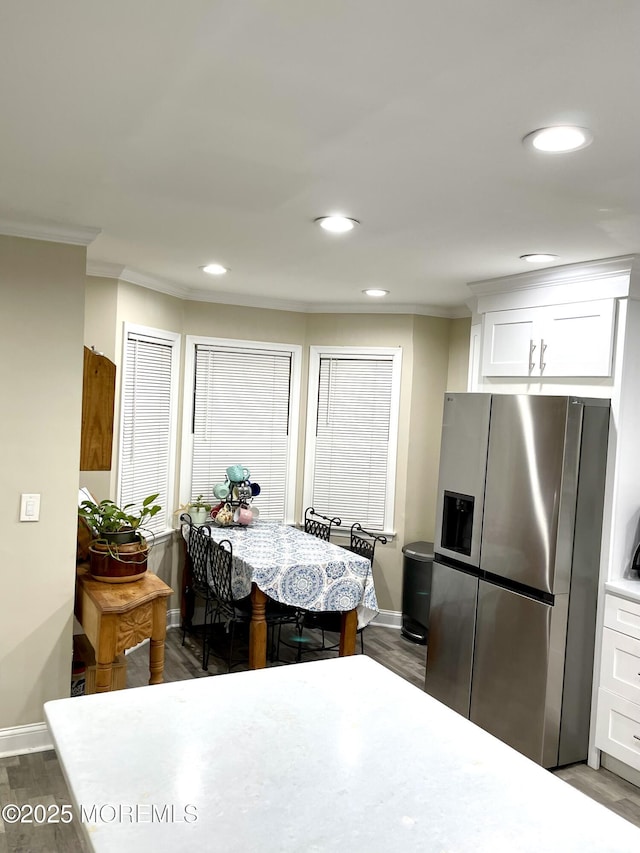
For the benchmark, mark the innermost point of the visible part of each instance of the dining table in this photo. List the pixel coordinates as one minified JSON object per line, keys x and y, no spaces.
{"x":328,"y":755}
{"x":280,"y":562}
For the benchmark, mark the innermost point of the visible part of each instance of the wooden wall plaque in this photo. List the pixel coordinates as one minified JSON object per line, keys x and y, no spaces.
{"x":98,"y":396}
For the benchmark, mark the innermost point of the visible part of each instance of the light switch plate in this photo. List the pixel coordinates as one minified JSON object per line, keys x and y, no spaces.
{"x":29,"y":507}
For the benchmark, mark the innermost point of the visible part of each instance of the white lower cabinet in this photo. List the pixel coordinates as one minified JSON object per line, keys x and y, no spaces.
{"x":618,"y":717}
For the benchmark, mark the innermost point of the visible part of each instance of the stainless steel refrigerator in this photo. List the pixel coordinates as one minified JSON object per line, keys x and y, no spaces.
{"x":515,"y":574}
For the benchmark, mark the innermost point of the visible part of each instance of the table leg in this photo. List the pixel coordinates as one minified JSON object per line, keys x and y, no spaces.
{"x":156,"y":646}
{"x":348,"y":628}
{"x":105,"y":652}
{"x":103,"y":676}
{"x":258,"y":630}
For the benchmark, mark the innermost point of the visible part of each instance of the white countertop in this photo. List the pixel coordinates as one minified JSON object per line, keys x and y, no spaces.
{"x":331,"y":755}
{"x":625,"y":588}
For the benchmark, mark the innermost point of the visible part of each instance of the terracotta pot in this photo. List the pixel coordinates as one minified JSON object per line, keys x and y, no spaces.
{"x":118,"y":563}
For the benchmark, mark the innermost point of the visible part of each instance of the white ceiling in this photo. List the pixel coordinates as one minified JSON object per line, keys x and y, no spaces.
{"x":199,"y":131}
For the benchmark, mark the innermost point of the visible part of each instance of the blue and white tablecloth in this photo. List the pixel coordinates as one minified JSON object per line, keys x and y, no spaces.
{"x":295,"y":568}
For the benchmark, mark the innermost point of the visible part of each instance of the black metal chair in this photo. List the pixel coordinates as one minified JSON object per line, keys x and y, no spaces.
{"x":229,"y":610}
{"x":232,"y":611}
{"x":319,"y":525}
{"x":197,"y":542}
{"x":363,"y":543}
{"x":210,"y":580}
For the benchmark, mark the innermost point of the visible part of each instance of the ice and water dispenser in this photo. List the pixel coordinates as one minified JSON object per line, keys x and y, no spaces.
{"x":457,"y":522}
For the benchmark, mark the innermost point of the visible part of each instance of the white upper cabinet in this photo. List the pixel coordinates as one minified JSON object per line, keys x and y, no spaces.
{"x":559,"y":340}
{"x":579,"y":339}
{"x":508,"y":342}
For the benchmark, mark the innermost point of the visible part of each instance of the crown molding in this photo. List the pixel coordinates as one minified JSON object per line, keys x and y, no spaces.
{"x":74,"y":235}
{"x":106,"y":269}
{"x":246,"y":300}
{"x":564,"y":274}
{"x":171,"y":288}
{"x":249,"y":301}
{"x":447,"y":312}
{"x":459,"y":312}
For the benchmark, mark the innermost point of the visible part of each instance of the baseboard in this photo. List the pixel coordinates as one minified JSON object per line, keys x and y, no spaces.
{"x":387,"y":619}
{"x":174,"y":619}
{"x":22,"y":739}
{"x":629,"y":774}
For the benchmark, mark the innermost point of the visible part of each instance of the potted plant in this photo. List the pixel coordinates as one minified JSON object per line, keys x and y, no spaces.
{"x":119,"y":551}
{"x":199,"y":510}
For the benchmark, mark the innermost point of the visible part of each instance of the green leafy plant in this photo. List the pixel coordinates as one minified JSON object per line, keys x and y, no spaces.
{"x":200,"y":503}
{"x":108,"y":517}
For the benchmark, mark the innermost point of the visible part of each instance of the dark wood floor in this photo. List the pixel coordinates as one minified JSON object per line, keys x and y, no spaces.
{"x":37,"y":778}
{"x":385,"y":645}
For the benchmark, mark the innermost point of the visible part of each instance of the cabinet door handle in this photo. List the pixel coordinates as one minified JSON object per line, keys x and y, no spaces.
{"x":636,"y":737}
{"x":543,"y":349}
{"x":532,"y":347}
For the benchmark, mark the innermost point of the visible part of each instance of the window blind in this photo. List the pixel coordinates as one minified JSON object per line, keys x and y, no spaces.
{"x":352,"y":439}
{"x":241,"y":416}
{"x":146,"y":425}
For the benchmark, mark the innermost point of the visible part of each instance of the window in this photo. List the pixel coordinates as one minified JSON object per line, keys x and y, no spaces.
{"x":242,"y":409}
{"x":148,"y":419}
{"x":352,"y":429}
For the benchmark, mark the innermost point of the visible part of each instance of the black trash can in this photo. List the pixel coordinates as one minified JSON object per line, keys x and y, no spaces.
{"x":416,"y":590}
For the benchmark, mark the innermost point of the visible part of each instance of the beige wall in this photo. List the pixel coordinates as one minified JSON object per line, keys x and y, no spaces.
{"x":109,"y":305}
{"x":458,"y":368}
{"x":145,"y":307}
{"x":431,"y":357}
{"x":100,"y":315}
{"x":377,"y":330}
{"x":100,"y":326}
{"x":42,"y":287}
{"x":428,"y":344}
{"x":249,"y":324}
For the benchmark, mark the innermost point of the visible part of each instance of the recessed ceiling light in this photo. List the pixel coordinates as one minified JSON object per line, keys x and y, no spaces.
{"x":375,"y":292}
{"x":559,"y":139}
{"x":215,"y":269}
{"x":538,"y":258}
{"x":336,"y":224}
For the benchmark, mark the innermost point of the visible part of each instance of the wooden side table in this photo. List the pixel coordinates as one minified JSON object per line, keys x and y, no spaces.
{"x":116,"y":617}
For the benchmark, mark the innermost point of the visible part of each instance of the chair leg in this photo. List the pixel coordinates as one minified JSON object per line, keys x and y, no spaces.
{"x":300,"y":629}
{"x":362,"y":641}
{"x":231,"y":637}
{"x":205,"y":648}
{"x":210,"y":617}
{"x":277,"y":649}
{"x":271,"y":630}
{"x":205,"y":638}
